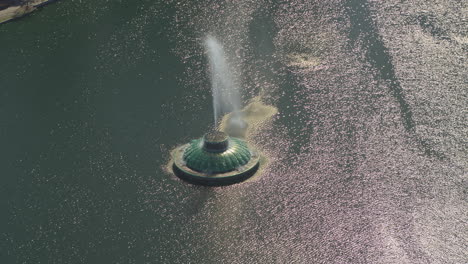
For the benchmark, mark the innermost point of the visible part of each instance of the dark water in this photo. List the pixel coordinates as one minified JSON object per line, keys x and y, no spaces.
{"x":367,"y":155}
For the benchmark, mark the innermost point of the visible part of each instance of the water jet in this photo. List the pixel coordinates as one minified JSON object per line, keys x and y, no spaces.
{"x":224,"y":88}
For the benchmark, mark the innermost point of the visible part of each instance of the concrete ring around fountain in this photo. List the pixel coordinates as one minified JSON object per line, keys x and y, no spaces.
{"x":218,"y":179}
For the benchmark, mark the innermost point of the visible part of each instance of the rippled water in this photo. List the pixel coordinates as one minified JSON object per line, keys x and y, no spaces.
{"x":367,"y":155}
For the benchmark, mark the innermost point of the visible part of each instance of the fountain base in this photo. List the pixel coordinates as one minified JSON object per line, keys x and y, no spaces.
{"x":215,"y":160}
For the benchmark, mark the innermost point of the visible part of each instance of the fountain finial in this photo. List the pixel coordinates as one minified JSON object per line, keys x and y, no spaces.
{"x":215,"y":141}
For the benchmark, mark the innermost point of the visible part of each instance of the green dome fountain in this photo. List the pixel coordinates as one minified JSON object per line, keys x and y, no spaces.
{"x":215,"y":159}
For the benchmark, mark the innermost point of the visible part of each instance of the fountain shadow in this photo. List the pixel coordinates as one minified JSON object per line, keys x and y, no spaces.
{"x":215,"y":181}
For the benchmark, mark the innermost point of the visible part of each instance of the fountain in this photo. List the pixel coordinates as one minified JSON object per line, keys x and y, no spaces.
{"x":217,"y":158}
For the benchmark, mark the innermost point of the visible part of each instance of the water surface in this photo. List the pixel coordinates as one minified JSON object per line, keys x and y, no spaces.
{"x":367,"y":154}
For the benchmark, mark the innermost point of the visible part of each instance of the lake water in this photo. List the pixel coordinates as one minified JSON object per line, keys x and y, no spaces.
{"x":367,"y":155}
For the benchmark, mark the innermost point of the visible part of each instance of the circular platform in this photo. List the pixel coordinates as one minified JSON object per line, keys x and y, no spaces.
{"x":215,"y":160}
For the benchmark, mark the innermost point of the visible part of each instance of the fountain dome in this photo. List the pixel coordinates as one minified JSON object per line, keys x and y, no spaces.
{"x":215,"y":159}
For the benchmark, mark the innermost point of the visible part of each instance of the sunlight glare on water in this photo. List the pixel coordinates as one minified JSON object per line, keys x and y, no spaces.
{"x":356,"y":105}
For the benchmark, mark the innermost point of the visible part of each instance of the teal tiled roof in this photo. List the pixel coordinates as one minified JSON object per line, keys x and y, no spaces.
{"x":199,"y":159}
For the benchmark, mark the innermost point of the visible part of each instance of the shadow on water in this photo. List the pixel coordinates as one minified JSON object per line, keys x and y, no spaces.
{"x":363,"y":30}
{"x":262,"y":30}
{"x":429,"y":24}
